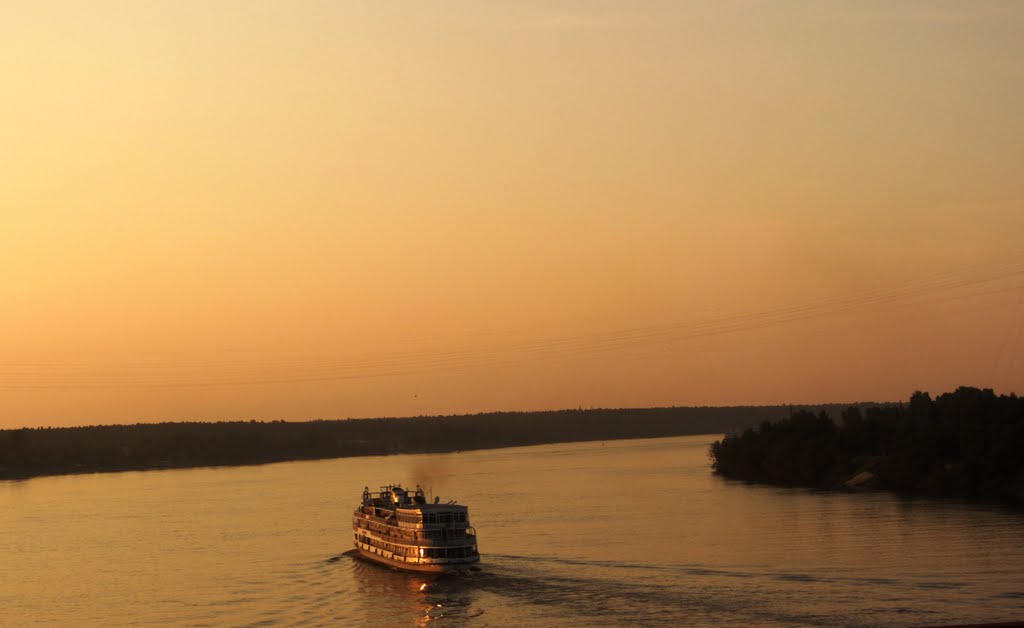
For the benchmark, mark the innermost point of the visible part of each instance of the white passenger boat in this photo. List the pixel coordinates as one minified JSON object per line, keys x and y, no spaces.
{"x":400,"y":529}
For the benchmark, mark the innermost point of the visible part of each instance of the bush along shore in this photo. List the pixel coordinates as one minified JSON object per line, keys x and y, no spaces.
{"x":966,"y":444}
{"x":48,"y":451}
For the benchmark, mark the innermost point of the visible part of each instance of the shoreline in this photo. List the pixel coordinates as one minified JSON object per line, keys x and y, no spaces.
{"x":9,"y":478}
{"x":27,"y":453}
{"x":963,"y":444}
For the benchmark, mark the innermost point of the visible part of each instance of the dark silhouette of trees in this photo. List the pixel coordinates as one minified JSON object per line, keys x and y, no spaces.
{"x":47,"y":451}
{"x":968,"y":443}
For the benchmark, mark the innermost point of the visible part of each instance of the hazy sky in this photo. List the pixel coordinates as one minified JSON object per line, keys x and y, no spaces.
{"x":303,"y":210}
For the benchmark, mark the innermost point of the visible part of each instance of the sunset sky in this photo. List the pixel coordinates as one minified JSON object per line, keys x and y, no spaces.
{"x":300,"y":210}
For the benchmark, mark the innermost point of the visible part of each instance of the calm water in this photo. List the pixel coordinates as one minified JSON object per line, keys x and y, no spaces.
{"x":571,"y":535}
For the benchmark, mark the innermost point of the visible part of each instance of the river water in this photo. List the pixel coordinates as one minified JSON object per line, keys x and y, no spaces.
{"x":571,"y":535}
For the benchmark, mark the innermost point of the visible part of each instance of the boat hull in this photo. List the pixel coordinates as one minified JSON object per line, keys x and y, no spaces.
{"x":419,"y":567}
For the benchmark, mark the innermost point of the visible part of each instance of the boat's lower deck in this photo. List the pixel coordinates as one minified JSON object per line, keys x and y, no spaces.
{"x":415,"y":563}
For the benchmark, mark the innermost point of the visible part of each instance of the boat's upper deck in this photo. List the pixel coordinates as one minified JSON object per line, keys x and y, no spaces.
{"x":410,"y":508}
{"x":395,"y":497}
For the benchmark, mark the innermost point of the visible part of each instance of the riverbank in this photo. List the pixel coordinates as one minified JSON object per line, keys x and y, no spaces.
{"x":965,"y":444}
{"x":107,"y":448}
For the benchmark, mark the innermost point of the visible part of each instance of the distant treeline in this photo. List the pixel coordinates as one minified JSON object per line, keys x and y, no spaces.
{"x":48,"y":451}
{"x":969,"y":443}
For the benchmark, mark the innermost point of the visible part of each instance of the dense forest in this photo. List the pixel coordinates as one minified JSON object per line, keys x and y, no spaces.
{"x":48,"y":451}
{"x":968,"y":443}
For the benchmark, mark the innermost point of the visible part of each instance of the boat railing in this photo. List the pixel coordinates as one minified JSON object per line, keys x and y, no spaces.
{"x":455,"y":525}
{"x":385,"y":534}
{"x":374,"y":518}
{"x":465,"y":541}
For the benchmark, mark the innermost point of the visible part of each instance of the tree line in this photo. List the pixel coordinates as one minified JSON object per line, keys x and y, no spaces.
{"x":47,"y":451}
{"x":968,"y":443}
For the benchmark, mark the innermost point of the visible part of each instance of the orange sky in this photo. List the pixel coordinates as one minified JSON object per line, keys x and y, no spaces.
{"x":215,"y":210}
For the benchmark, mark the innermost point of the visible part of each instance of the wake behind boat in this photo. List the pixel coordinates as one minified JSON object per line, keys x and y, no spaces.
{"x":400,"y":529}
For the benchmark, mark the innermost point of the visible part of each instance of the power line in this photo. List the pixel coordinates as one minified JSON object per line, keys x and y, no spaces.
{"x":965,"y":283}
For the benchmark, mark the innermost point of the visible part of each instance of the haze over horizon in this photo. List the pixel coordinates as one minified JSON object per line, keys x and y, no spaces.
{"x":342,"y":209}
